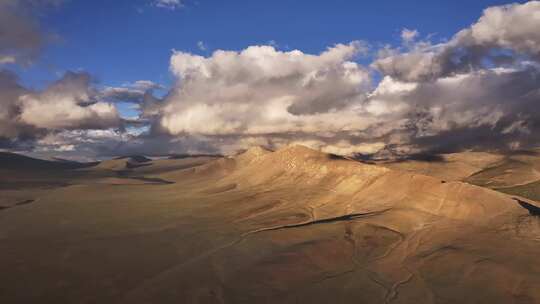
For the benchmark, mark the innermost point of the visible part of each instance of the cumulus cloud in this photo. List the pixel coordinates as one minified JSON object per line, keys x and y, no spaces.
{"x":261,"y":91}
{"x":513,"y":26}
{"x":478,"y":90}
{"x":485,"y":109}
{"x":499,"y":37}
{"x":69,"y":103}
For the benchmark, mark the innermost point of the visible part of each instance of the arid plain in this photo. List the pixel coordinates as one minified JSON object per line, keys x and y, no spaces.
{"x":246,"y":152}
{"x":291,"y":226}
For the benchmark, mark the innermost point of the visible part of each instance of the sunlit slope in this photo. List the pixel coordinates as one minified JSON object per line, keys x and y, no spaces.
{"x":515,"y":173}
{"x":507,"y":173}
{"x":122,"y":163}
{"x":449,"y":167}
{"x":291,"y":226}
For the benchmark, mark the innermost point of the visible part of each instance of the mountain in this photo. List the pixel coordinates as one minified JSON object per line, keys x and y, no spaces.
{"x":13,"y":161}
{"x":124,"y":162}
{"x":451,"y":167}
{"x":516,"y":173}
{"x":181,"y":156}
{"x":290,"y":226}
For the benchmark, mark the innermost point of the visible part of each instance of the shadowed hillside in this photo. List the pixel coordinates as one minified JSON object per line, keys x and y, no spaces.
{"x":13,"y":161}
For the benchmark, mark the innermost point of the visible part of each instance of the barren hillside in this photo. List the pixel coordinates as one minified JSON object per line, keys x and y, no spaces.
{"x":291,"y":226}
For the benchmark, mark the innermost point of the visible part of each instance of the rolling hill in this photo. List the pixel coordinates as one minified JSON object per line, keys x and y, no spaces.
{"x":290,"y":226}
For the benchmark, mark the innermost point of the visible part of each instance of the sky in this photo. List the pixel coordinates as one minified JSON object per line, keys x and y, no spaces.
{"x":125,"y":41}
{"x":94,"y":79}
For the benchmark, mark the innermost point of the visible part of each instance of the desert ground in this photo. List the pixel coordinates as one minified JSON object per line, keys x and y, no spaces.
{"x":290,"y":226}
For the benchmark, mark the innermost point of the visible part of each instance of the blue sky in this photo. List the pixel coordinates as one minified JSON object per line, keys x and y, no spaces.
{"x":123,"y":77}
{"x":124,"y":41}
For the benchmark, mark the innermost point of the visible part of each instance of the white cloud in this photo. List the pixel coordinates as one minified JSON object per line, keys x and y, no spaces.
{"x":341,"y":147}
{"x":201,"y":46}
{"x":408,"y":35}
{"x":416,"y":65}
{"x":478,"y":89}
{"x":261,"y":90}
{"x":499,"y":32}
{"x":6,"y":59}
{"x":58,"y":112}
{"x":425,"y":102}
{"x":513,"y":26}
{"x":169,"y":4}
{"x":70,"y":104}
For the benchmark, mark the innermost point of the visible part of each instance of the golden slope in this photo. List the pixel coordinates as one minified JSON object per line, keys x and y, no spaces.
{"x":291,"y":226}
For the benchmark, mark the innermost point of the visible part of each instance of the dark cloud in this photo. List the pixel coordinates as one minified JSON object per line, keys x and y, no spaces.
{"x":27,"y":117}
{"x":21,"y":39}
{"x":482,"y":110}
{"x":479,"y":90}
{"x":13,"y":132}
{"x":135,"y":92}
{"x":69,"y":103}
